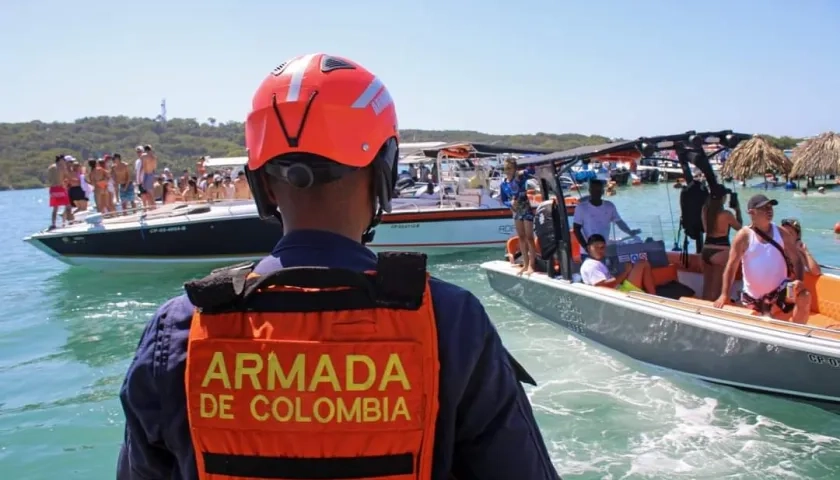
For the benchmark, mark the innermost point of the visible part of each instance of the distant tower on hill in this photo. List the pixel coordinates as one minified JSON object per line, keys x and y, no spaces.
{"x":162,"y":117}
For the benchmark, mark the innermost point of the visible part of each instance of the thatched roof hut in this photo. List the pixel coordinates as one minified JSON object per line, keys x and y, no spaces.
{"x":817,"y":156}
{"x":755,"y":156}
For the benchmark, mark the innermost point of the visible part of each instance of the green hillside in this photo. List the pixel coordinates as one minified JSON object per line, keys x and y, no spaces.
{"x":27,"y":149}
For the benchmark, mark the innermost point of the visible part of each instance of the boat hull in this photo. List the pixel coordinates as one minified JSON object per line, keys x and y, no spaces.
{"x":674,"y":339}
{"x":213,"y":238}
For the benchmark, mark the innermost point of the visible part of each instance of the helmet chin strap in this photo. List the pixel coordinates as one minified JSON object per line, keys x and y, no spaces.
{"x":367,"y":237}
{"x":381,"y":204}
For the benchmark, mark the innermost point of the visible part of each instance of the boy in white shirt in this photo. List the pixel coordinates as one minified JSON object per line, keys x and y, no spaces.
{"x":594,"y":272}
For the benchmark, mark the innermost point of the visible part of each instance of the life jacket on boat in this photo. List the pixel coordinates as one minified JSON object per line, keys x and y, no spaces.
{"x":314,"y":372}
{"x":692,"y":199}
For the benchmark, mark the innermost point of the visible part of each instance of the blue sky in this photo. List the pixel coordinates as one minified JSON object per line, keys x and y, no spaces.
{"x":617,"y":68}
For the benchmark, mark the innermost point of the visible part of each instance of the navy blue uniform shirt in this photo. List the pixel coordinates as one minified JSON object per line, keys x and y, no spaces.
{"x":485,"y":427}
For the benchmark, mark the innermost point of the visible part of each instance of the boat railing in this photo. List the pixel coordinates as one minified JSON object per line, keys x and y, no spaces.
{"x":162,"y":210}
{"x":801,"y":329}
{"x":449,"y":204}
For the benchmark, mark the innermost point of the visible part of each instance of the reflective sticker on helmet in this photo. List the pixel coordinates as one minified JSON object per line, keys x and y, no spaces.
{"x":382,"y":101}
{"x":369,"y":94}
{"x":296,"y":68}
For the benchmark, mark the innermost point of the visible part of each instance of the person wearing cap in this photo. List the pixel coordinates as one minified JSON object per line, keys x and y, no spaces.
{"x":809,"y":263}
{"x":597,"y":216}
{"x":323,"y":153}
{"x":770,"y":264}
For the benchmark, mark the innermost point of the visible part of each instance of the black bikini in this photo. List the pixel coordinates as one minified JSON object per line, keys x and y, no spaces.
{"x":707,"y":253}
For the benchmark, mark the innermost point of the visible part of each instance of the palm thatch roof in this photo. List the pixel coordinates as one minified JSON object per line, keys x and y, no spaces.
{"x":756,"y":156}
{"x":817,"y":156}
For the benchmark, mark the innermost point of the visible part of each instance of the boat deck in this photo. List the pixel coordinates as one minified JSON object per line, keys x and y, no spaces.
{"x":823,"y":320}
{"x":818,"y":325}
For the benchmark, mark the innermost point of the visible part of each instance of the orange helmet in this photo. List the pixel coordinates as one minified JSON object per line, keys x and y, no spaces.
{"x":316,"y":117}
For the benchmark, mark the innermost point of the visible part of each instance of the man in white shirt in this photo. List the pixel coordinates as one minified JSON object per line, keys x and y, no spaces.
{"x":635,"y":278}
{"x":138,"y":175}
{"x":597,"y":216}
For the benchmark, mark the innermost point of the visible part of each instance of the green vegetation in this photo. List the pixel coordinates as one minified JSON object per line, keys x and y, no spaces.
{"x":27,"y":149}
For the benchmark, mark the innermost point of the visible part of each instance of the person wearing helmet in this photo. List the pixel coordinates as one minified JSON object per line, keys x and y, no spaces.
{"x":324,"y":360}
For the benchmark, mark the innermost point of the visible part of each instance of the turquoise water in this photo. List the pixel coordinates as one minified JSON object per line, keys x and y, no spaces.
{"x":67,"y":336}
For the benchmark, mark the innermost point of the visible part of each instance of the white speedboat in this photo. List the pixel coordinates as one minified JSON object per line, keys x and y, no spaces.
{"x":231,"y":231}
{"x":674,"y":328}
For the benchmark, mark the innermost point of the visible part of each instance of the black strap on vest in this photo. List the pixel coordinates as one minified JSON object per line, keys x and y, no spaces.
{"x":399,"y":283}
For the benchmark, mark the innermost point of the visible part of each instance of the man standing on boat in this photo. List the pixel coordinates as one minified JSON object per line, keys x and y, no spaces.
{"x":597,"y":216}
{"x":138,"y":175}
{"x":148,"y":161}
{"x":58,"y":180}
{"x":770,"y":264}
{"x":348,"y":366}
{"x":125,"y":184}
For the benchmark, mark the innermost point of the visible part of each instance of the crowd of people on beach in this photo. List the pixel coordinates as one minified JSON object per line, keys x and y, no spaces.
{"x":115,"y":186}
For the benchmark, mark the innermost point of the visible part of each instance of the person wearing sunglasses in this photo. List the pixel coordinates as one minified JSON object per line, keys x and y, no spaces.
{"x":808,"y":261}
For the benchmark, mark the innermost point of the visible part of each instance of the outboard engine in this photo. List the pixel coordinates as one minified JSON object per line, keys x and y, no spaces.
{"x":405,"y":182}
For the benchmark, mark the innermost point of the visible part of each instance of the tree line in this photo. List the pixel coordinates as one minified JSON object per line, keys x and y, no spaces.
{"x":27,"y":149}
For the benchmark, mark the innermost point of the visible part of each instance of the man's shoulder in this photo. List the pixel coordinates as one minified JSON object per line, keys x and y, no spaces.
{"x":450,"y":294}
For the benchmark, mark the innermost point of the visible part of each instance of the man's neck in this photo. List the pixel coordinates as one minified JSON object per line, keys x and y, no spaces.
{"x":766,"y":228}
{"x":596,"y":201}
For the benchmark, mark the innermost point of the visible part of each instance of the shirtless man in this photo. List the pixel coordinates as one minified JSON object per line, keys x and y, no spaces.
{"x":125,"y":183}
{"x":57,"y":178}
{"x":149,"y":164}
{"x":241,"y":191}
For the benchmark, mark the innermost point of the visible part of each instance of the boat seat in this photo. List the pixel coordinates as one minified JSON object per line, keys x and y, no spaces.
{"x":825,"y":294}
{"x":695,"y":264}
{"x":814,"y":319}
{"x":666,"y":274}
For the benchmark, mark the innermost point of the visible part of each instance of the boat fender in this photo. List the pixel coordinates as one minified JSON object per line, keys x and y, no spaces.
{"x":519,"y":371}
{"x":224,"y":286}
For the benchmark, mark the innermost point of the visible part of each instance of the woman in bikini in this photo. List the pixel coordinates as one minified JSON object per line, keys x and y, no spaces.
{"x":514,"y":193}
{"x":192,"y":193}
{"x":716,"y":223}
{"x":100,"y":179}
{"x":76,"y":191}
{"x":170,"y":194}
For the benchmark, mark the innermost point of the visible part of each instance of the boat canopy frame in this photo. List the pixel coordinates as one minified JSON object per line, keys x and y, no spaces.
{"x":549,"y":168}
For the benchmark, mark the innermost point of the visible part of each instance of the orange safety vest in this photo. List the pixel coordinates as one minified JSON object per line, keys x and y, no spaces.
{"x":314,"y":373}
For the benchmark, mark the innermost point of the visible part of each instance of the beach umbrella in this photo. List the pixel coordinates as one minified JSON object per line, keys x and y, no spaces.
{"x":755,"y":156}
{"x":817,"y":156}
